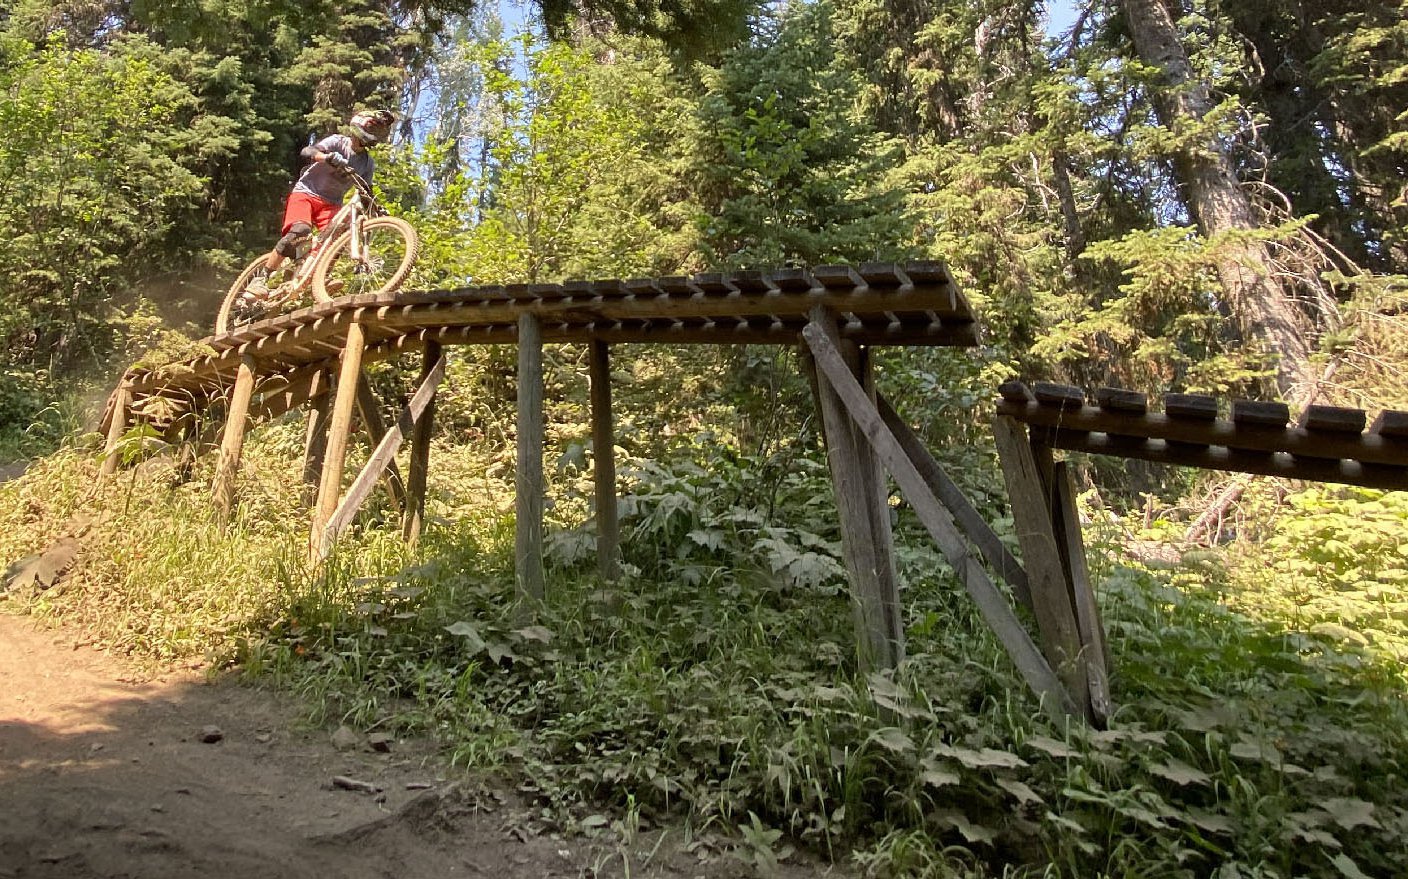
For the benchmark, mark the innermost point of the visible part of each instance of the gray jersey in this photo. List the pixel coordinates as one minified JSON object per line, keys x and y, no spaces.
{"x":327,"y":183}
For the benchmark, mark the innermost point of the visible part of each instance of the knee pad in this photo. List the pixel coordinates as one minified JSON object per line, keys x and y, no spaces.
{"x":288,"y":245}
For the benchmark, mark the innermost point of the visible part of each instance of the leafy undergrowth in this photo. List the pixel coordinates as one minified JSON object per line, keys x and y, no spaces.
{"x":1261,"y":729}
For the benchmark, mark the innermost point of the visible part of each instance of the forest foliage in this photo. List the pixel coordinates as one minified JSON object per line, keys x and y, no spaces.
{"x":1168,"y":195}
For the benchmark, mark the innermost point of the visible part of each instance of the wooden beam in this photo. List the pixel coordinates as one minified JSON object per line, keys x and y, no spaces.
{"x":335,"y":457}
{"x":370,"y":410}
{"x":315,"y":444}
{"x":875,"y":645}
{"x":965,"y":516}
{"x":232,"y":441}
{"x":528,"y":536}
{"x":414,"y":520}
{"x":1031,"y":513}
{"x":382,"y":456}
{"x":1093,"y":644}
{"x":878,"y":501}
{"x":117,"y":426}
{"x":608,"y":527}
{"x":991,"y":603}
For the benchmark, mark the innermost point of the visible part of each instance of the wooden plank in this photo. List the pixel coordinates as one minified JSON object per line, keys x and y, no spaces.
{"x":382,"y":456}
{"x":1194,"y":406}
{"x":370,"y":410}
{"x":1261,"y":413}
{"x":232,"y":441}
{"x":608,"y":528}
{"x":1031,"y":515}
{"x":1333,"y":419}
{"x":1060,"y":396}
{"x":339,"y":428}
{"x":875,"y":644}
{"x":1016,"y":392}
{"x":1391,"y":423}
{"x":1121,"y":400}
{"x":1368,"y":448}
{"x":413,"y":521}
{"x":1091,"y":628}
{"x":994,"y":607}
{"x":120,"y":407}
{"x":969,"y":521}
{"x":528,"y":537}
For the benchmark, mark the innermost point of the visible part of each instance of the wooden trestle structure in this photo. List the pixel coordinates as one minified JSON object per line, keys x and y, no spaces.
{"x":314,"y":359}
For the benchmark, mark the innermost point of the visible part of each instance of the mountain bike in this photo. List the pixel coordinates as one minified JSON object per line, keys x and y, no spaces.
{"x":363,"y":250}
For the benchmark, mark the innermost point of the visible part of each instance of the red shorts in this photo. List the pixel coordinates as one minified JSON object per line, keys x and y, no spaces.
{"x":305,"y":208}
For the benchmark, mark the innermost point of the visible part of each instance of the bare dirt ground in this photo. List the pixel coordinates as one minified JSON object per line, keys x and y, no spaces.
{"x":107,"y":774}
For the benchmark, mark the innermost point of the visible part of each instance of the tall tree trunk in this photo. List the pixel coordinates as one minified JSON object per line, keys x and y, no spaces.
{"x":1259,"y":305}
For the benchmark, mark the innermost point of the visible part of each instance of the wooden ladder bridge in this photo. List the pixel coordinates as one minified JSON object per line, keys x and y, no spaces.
{"x":314,"y":359}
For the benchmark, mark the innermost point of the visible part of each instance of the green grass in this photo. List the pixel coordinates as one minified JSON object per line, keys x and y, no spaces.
{"x":1261,"y":727}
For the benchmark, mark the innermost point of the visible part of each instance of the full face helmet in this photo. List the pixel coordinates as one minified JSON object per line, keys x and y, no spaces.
{"x":371,"y":126}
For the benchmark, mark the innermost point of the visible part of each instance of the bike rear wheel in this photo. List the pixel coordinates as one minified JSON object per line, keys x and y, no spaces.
{"x":234,"y":313}
{"x":392,"y":246}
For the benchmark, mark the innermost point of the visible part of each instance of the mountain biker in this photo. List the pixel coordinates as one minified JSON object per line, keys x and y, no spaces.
{"x":318,"y":194}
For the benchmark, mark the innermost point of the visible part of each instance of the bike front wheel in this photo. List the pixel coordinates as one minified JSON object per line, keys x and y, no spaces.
{"x":391,"y":247}
{"x":234,"y":313}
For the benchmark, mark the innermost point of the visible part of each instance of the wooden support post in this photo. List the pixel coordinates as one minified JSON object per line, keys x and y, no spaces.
{"x":1094,"y":647}
{"x":852,"y":480}
{"x":121,"y":402}
{"x":969,"y":521}
{"x":878,"y":500}
{"x":370,"y":410}
{"x":1031,"y":514}
{"x":608,"y":528}
{"x":382,"y":457}
{"x":232,"y":440}
{"x":315,"y":444}
{"x":528,"y":538}
{"x":340,"y":425}
{"x":994,"y":607}
{"x":414,"y":520}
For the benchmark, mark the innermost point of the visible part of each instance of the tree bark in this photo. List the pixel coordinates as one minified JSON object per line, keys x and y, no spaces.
{"x":1258,"y":304}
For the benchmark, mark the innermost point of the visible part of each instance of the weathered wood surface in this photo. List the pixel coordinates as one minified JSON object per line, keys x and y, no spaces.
{"x":418,"y":474}
{"x":339,"y":428}
{"x":865,"y":551}
{"x":232,"y":441}
{"x":1036,"y":534}
{"x":608,"y":526}
{"x":1330,"y":443}
{"x":528,"y":479}
{"x":991,"y":603}
{"x":383,"y":456}
{"x":877,"y":304}
{"x":1089,"y":625}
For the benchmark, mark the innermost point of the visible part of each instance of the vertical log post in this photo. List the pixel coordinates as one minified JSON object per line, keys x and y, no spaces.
{"x":315,"y":444}
{"x":121,"y":401}
{"x":1051,"y":599}
{"x":608,"y":529}
{"x":232,"y":440}
{"x":414,"y":521}
{"x":335,"y":455}
{"x":854,"y":486}
{"x":528,"y":537}
{"x":878,"y":506}
{"x":1091,"y":628}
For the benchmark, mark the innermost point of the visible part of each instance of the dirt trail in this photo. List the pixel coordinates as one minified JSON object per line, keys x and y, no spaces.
{"x":102,"y":775}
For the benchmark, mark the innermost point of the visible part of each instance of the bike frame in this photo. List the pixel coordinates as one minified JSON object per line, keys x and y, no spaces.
{"x":346,"y":216}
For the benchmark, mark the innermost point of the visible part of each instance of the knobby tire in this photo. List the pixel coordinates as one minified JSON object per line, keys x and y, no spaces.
{"x":390,"y":269}
{"x":223,"y":321}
